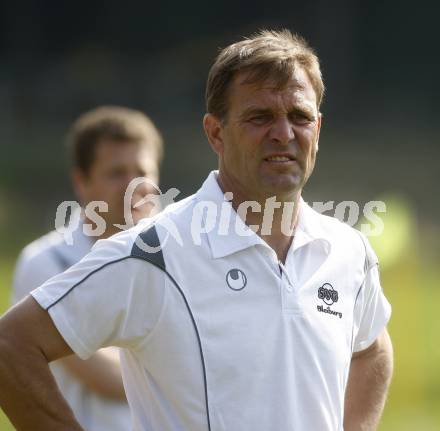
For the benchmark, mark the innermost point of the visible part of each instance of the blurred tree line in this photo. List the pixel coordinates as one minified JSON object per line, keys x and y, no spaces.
{"x":61,"y":58}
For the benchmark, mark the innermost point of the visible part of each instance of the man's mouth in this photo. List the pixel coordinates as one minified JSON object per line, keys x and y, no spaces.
{"x":280,"y":159}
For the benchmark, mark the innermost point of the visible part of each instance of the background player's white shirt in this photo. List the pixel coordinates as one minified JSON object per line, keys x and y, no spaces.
{"x":217,"y":334}
{"x":38,"y":262}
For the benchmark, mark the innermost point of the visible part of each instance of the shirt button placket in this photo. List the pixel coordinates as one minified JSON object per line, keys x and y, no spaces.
{"x":289,"y":293}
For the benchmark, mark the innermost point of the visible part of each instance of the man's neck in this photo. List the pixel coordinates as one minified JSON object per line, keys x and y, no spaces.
{"x":276,"y":221}
{"x":277,"y":225}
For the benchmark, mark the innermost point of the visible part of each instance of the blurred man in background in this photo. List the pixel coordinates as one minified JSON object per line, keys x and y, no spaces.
{"x":109,"y":146}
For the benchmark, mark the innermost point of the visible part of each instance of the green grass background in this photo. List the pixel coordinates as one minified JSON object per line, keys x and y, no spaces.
{"x":412,"y":284}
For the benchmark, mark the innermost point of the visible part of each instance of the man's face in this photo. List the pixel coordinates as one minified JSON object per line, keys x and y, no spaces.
{"x":115,"y":165}
{"x":267,"y":145}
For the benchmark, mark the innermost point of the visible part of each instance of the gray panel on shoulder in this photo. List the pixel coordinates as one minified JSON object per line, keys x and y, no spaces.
{"x":147,"y":247}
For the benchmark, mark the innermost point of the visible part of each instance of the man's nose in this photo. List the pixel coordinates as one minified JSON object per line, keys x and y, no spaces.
{"x":282,"y":130}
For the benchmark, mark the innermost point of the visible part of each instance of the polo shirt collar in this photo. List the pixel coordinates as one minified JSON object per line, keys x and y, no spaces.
{"x":309,"y":229}
{"x":226,"y":241}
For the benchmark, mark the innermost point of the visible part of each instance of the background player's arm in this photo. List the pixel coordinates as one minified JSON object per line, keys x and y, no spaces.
{"x":101,"y":373}
{"x":29,"y":395}
{"x":370,"y":375}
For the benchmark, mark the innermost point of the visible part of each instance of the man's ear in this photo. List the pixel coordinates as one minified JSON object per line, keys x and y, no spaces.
{"x":214,"y":132}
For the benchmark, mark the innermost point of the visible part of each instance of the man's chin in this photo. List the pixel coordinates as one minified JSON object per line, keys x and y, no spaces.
{"x":279,"y":186}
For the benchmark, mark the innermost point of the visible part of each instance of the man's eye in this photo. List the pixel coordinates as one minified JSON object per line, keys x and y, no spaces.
{"x":300,"y":119}
{"x":260,"y":119}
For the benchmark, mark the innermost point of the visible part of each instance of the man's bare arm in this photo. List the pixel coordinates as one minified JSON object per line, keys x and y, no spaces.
{"x":29,"y":395}
{"x":101,"y":373}
{"x":368,"y":382}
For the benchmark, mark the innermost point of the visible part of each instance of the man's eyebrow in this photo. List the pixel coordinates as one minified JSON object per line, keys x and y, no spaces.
{"x":255,"y":110}
{"x":303,"y":110}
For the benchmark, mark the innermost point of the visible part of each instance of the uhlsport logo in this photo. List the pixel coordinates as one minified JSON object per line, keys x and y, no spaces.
{"x":329,"y":296}
{"x":236,"y":279}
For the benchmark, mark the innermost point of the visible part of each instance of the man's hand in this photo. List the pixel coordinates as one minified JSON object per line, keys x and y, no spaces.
{"x":29,"y":395}
{"x":370,"y":375}
{"x":101,"y":373}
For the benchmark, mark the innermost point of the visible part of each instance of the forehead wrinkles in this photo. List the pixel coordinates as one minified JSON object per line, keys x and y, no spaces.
{"x":297,"y":88}
{"x":292,"y":96}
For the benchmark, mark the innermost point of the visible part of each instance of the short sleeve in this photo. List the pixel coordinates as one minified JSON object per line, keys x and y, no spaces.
{"x":372,"y":309}
{"x":106,"y":299}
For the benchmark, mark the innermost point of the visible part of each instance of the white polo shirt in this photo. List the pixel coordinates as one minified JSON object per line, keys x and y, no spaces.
{"x":39,"y":261}
{"x":216,"y":333}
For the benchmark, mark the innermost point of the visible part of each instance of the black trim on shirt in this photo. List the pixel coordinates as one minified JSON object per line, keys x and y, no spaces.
{"x":367,"y":268}
{"x":84,"y":279}
{"x":156,"y":259}
{"x":149,"y":238}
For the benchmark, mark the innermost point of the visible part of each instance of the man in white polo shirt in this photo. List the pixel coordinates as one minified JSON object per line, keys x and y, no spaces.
{"x":109,"y":146}
{"x":239,"y":308}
